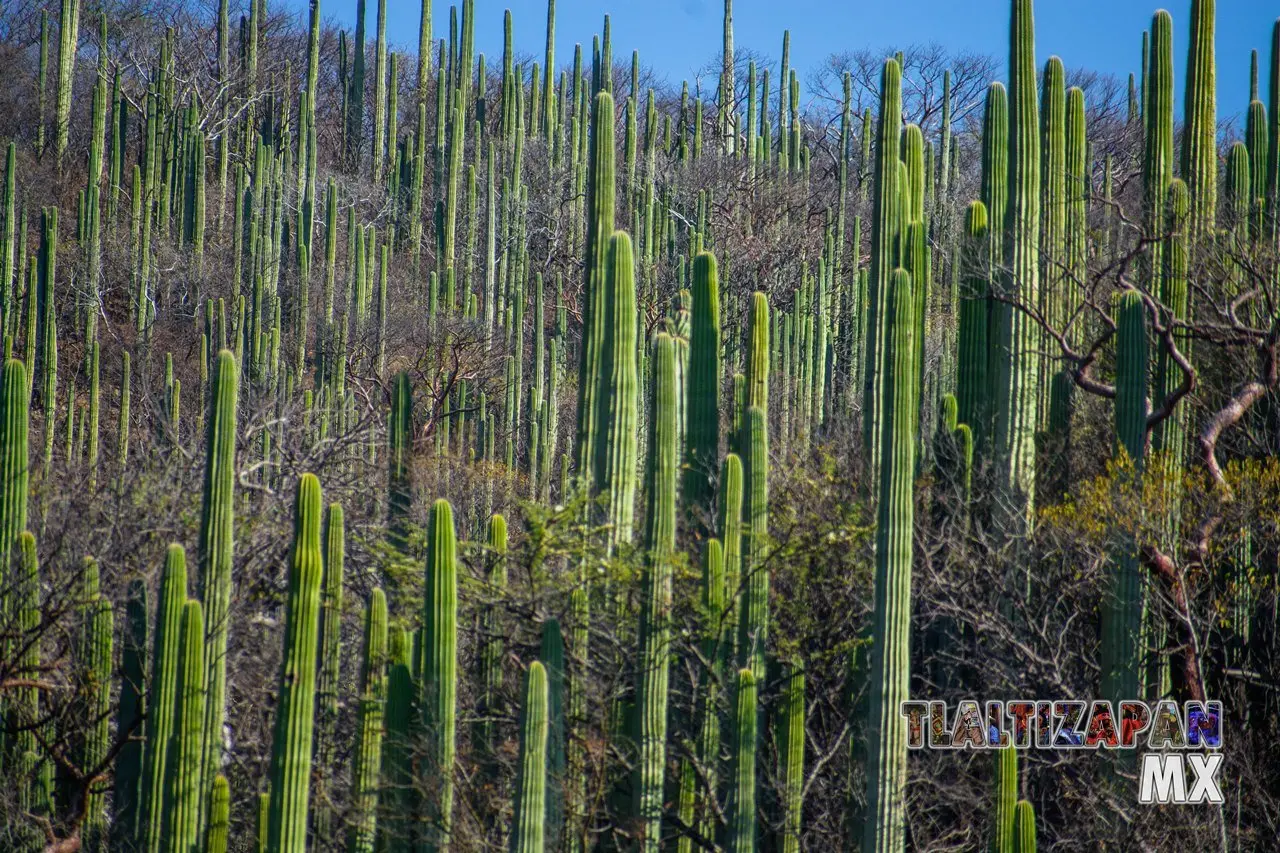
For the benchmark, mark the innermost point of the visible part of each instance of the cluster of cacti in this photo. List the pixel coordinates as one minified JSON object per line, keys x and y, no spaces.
{"x":638,"y":661}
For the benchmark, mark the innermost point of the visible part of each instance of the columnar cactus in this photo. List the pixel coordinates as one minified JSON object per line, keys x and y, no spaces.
{"x":182,"y":785}
{"x":295,"y":717}
{"x":1006,"y":795}
{"x":1024,"y":828}
{"x":440,"y":665}
{"x":330,"y":655}
{"x":217,"y":543}
{"x":552,"y":658}
{"x":617,"y":454}
{"x":887,"y":728}
{"x":655,"y":615}
{"x":1079,"y":189}
{"x":1122,"y":614}
{"x":491,"y":649}
{"x":730,"y":529}
{"x":166,"y":652}
{"x":1015,"y":339}
{"x":528,"y":827}
{"x":791,"y":751}
{"x":129,"y":718}
{"x":702,"y":412}
{"x":68,"y":45}
{"x":95,"y":654}
{"x":1199,"y":136}
{"x":714,"y":653}
{"x":14,"y":471}
{"x":885,"y":228}
{"x":972,"y":388}
{"x":741,"y":818}
{"x":366,"y":765}
{"x":753,"y":618}
{"x":757,"y":377}
{"x":219,"y":831}
{"x":399,"y":448}
{"x":1157,"y":167}
{"x":593,"y":402}
{"x":1053,"y":209}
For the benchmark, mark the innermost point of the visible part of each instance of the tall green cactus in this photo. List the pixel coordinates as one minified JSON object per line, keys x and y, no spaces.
{"x":1003,"y":839}
{"x":1157,"y":166}
{"x":741,"y":817}
{"x":710,"y":685}
{"x":552,"y":658}
{"x":366,"y":765}
{"x":617,"y":454}
{"x":440,"y":666}
{"x":890,"y":656}
{"x":219,"y":832}
{"x":655,"y":615}
{"x":730,"y":529}
{"x":1053,"y":211}
{"x":1079,"y":189}
{"x":399,"y":450}
{"x":68,"y":45}
{"x":1199,"y":135}
{"x":1024,"y":828}
{"x":593,"y":401}
{"x":702,"y":413}
{"x":753,"y":618}
{"x":129,"y":718}
{"x":885,"y":228}
{"x":295,"y":718}
{"x":98,"y":663}
{"x":491,"y":648}
{"x":166,"y":652}
{"x":1122,"y":613}
{"x":972,"y":388}
{"x":14,"y":467}
{"x":791,"y":756}
{"x":330,"y":655}
{"x":1015,"y":339}
{"x":182,"y":785}
{"x":528,"y":828}
{"x":217,"y":554}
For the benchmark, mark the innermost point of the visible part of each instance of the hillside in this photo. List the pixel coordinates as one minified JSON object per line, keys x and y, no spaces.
{"x":447,"y":452}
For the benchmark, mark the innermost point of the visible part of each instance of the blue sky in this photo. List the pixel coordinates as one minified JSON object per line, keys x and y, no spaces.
{"x":676,"y":37}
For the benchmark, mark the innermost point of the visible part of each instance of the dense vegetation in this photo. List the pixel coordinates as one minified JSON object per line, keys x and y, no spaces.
{"x":571,"y":463}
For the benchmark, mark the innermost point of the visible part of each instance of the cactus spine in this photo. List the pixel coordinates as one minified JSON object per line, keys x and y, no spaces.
{"x":295,"y":719}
